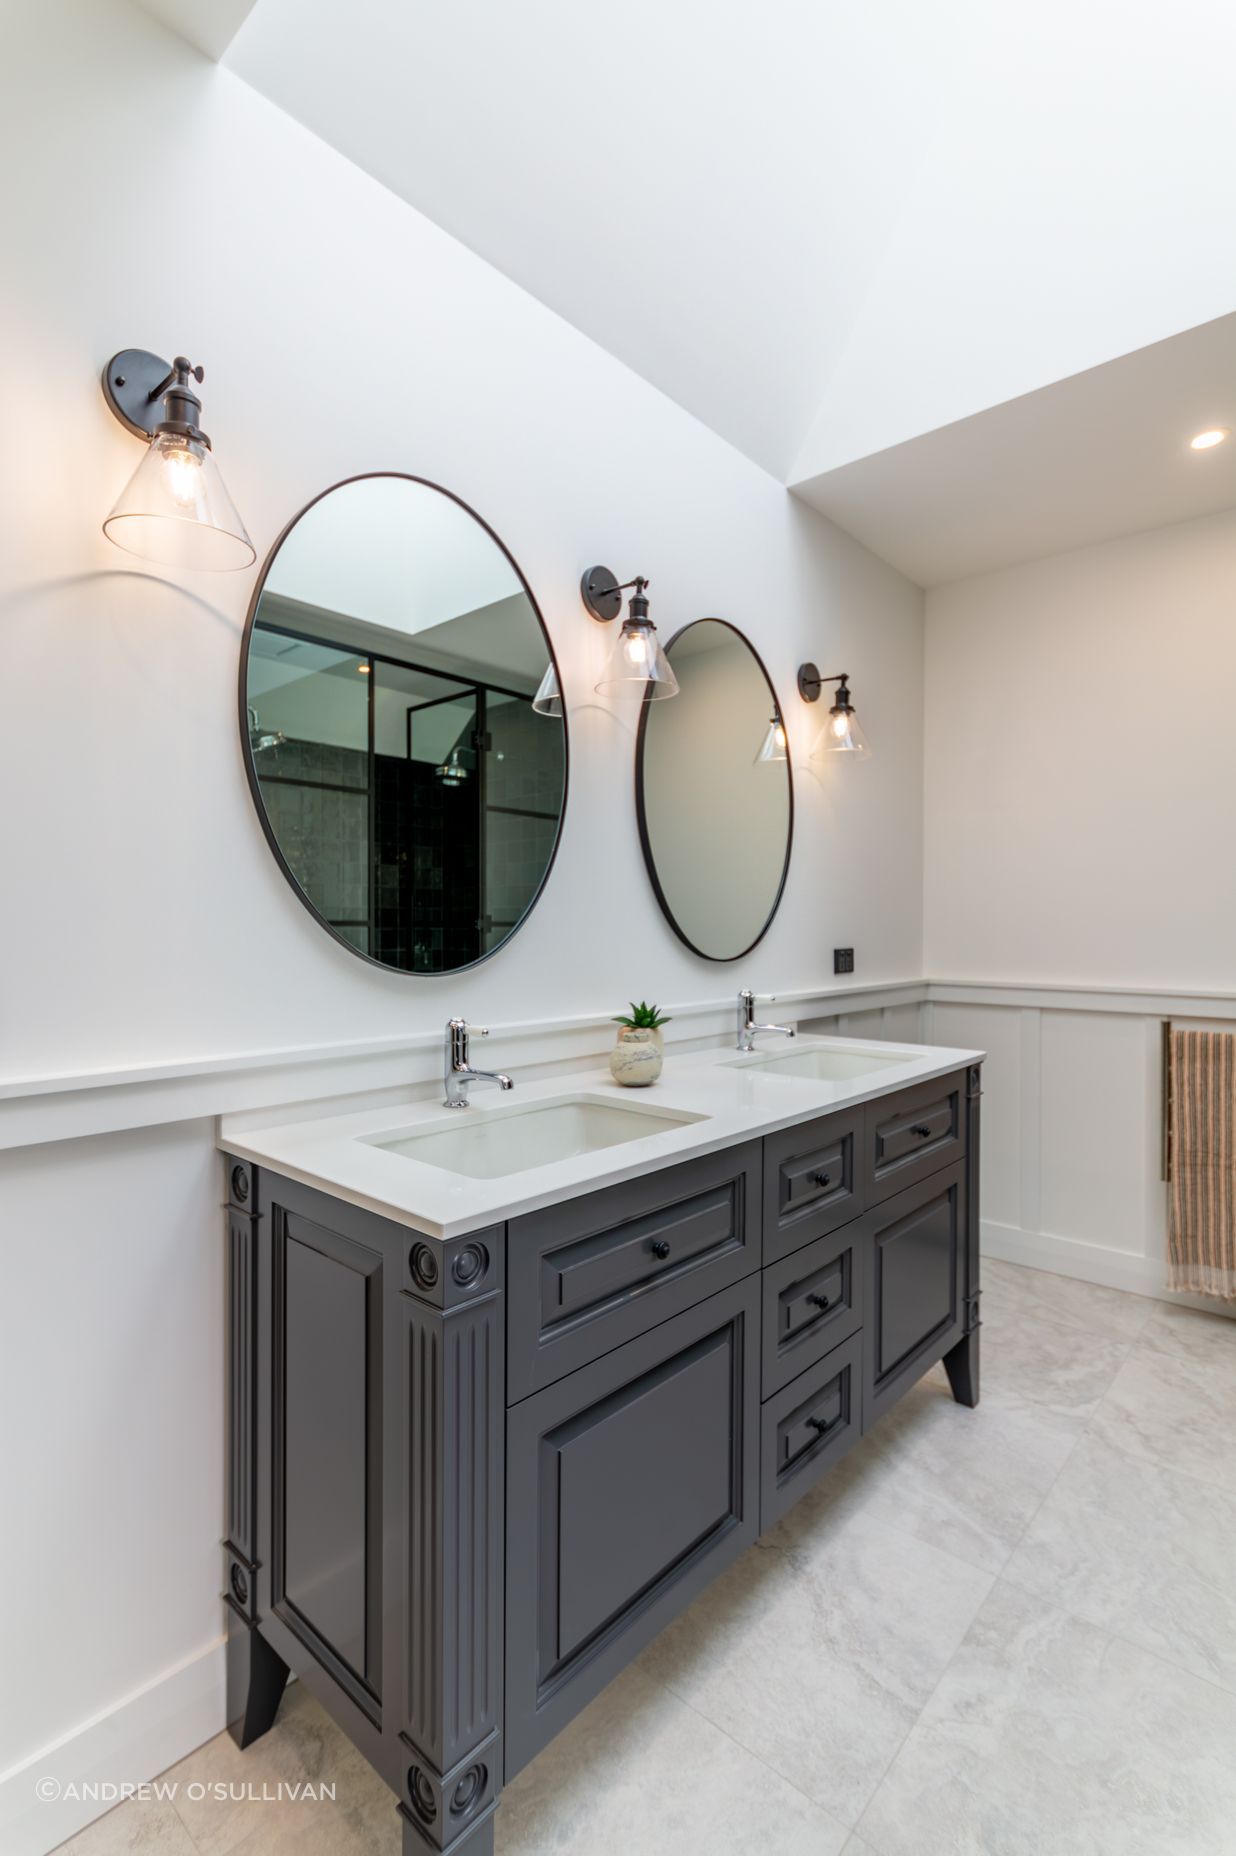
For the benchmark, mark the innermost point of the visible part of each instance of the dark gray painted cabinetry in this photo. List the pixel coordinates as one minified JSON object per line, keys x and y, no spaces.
{"x":807,"y":1426}
{"x":468,"y":1481}
{"x":629,"y":1484}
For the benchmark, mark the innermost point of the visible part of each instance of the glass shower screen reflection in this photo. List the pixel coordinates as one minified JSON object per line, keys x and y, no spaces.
{"x":411,"y":792}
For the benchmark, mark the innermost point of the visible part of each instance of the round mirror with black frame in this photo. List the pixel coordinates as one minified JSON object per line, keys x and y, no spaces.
{"x":402,"y":724}
{"x":713,"y":793}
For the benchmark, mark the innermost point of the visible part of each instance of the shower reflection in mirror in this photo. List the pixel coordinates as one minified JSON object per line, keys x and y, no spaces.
{"x":410,"y":789}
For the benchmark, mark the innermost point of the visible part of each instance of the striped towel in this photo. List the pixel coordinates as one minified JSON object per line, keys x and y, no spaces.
{"x":1202,"y":1217}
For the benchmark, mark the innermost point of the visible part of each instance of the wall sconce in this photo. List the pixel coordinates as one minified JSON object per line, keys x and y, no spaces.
{"x":774,"y":745}
{"x":175,"y":508}
{"x":841,"y":733}
{"x":637,"y":660}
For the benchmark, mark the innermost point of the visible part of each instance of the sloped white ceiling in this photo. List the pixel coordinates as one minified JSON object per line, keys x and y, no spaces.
{"x":705,"y":187}
{"x":824,"y":228}
{"x":1087,"y":459}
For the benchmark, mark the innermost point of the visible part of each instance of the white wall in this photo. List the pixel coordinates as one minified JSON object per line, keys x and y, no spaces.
{"x":341,"y":332}
{"x":152,"y":199}
{"x":1080,"y":766}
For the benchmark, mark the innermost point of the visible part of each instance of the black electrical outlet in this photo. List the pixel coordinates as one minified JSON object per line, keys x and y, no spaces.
{"x":843,"y":960}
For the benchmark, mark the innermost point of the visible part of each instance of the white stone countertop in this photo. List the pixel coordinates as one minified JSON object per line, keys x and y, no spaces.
{"x":716,"y":1097}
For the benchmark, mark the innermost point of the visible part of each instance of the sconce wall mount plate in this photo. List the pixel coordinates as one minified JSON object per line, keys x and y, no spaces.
{"x":132,"y":381}
{"x":601,"y":593}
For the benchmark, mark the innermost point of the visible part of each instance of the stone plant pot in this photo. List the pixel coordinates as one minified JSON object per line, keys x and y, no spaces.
{"x":636,"y":1058}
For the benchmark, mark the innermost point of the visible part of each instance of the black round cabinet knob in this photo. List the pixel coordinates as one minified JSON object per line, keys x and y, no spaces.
{"x":659,"y":1247}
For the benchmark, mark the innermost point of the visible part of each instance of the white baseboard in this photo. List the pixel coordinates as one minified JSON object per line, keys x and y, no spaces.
{"x":1070,"y":1256}
{"x":139,"y":1737}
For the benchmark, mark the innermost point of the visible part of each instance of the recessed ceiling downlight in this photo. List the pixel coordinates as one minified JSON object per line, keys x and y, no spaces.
{"x":1206,"y":440}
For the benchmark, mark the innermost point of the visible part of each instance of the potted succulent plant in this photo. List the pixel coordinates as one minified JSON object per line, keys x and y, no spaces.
{"x":636,"y":1059}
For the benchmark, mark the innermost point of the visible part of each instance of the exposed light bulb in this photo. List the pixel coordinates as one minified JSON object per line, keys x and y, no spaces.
{"x":840,"y":725}
{"x":1205,"y":441}
{"x":637,"y":650}
{"x":182,"y":472}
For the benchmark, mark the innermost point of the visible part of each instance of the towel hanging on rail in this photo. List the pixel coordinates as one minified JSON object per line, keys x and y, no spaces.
{"x":1202,"y":1202}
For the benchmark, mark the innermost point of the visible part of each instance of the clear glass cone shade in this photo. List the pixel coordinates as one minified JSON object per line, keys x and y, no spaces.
{"x":548,"y":699}
{"x":638,"y":660}
{"x":842,"y":735}
{"x":176,"y":510}
{"x":773,"y":746}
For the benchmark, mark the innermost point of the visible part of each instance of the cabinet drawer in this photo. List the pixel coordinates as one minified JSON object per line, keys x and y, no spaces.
{"x":913,"y":1312}
{"x":808,"y":1427}
{"x":596,"y":1271}
{"x":813,"y":1300}
{"x":915,"y":1132}
{"x":811,"y":1180}
{"x":629,"y":1485}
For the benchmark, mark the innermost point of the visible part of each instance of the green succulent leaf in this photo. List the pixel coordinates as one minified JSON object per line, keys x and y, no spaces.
{"x":642,"y":1017}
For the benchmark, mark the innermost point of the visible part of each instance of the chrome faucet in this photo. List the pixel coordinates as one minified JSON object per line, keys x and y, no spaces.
{"x":459,"y":1072}
{"x":747,"y":1026}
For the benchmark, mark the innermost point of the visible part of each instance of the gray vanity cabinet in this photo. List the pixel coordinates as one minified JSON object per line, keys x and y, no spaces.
{"x":469,"y":1480}
{"x":630,"y":1484}
{"x":815,"y":1178}
{"x":808,"y":1426}
{"x":598,"y":1270}
{"x":915,"y":1247}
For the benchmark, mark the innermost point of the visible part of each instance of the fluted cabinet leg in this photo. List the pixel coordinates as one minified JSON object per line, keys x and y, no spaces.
{"x":453,"y":1441}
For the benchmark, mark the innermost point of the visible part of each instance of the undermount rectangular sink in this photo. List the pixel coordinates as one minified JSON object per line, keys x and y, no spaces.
{"x":825,"y":1066}
{"x":502,"y":1141}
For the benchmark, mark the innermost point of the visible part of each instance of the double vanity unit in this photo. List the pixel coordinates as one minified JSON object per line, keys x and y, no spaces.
{"x":508,"y":1387}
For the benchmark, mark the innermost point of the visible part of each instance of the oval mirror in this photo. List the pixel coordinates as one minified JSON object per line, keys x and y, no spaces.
{"x":410,"y":789}
{"x":714,"y":794}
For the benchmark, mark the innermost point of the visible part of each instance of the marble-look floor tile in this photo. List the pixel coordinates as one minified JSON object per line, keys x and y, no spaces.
{"x":1178,"y":1412}
{"x":1142,"y":1551}
{"x":135,"y":1828}
{"x":966,"y":1481}
{"x":303,"y":1747}
{"x":639,"y":1773}
{"x":1190,"y":1334}
{"x":1050,"y":1735}
{"x":1049,"y":1362}
{"x":1010,"y":1287}
{"x":818,"y":1654}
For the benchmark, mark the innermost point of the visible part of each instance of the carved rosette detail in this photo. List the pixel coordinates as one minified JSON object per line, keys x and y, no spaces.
{"x":424,"y":1266}
{"x":421,"y":1794}
{"x":469,"y":1789}
{"x":469,"y":1265}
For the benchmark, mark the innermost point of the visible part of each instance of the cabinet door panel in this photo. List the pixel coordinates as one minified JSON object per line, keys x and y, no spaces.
{"x":326,"y":1464}
{"x":629,"y":1485}
{"x":596,"y":1271}
{"x":914,"y":1307}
